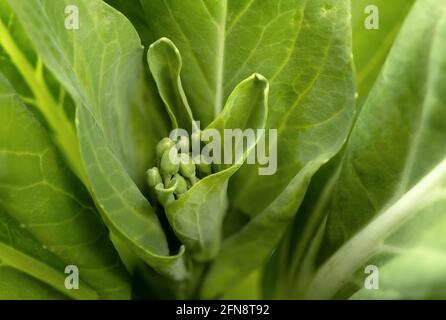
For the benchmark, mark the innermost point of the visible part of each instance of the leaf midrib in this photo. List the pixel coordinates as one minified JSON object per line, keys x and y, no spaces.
{"x":221,"y":62}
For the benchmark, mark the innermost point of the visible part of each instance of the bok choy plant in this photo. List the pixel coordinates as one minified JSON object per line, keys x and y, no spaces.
{"x":212,"y":149}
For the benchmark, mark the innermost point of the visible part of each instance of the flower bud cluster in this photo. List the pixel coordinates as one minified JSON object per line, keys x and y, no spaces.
{"x":176,"y":171}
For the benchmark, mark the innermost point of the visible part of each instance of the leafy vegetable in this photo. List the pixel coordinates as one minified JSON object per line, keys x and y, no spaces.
{"x":115,"y":158}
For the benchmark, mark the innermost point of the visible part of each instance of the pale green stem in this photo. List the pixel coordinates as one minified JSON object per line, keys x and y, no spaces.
{"x":337,"y":270}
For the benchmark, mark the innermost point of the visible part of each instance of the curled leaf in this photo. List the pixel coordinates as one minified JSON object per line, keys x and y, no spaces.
{"x":197,"y":216}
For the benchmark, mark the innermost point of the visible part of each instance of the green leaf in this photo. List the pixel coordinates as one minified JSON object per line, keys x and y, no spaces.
{"x":249,"y":247}
{"x":165,"y":64}
{"x":288,"y":274}
{"x":387,"y":207}
{"x":47,"y":220}
{"x":197,"y":216}
{"x":12,"y":287}
{"x":88,"y":82}
{"x":306,"y":44}
{"x":6,"y":66}
{"x":248,"y":289}
{"x":197,"y":28}
{"x":370,"y":47}
{"x":291,"y":266}
{"x":100,"y":65}
{"x":18,"y":76}
{"x":313,"y":115}
{"x":135,"y":13}
{"x":25,"y":76}
{"x":128,"y":214}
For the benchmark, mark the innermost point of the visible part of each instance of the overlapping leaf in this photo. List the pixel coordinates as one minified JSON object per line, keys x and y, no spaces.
{"x":292,"y":264}
{"x":371,"y":46}
{"x":47,"y":220}
{"x":100,"y":65}
{"x":387,"y":205}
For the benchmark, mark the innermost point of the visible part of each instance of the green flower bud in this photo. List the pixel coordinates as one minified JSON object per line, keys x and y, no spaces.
{"x":183,"y":144}
{"x":165,"y":196}
{"x":196,"y":140}
{"x":193,"y":180}
{"x":180,"y":184}
{"x":153,"y":177}
{"x":203,"y":165}
{"x":187,"y":166}
{"x":162,"y":146}
{"x":170,"y":162}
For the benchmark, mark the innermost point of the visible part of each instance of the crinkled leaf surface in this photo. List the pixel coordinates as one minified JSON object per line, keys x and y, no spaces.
{"x":311,"y":102}
{"x":387,"y":207}
{"x":47,"y":220}
{"x":100,"y":65}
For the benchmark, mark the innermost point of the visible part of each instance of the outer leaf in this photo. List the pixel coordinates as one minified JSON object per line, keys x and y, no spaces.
{"x":102,"y":85}
{"x":20,"y":70}
{"x":129,"y":215}
{"x":315,"y":57}
{"x":6,"y":66}
{"x":291,"y":267}
{"x":134,"y":11}
{"x":249,"y":289}
{"x":393,"y":174}
{"x":92,"y":81}
{"x":13,"y":282}
{"x":248,"y":248}
{"x":197,"y":216}
{"x":313,"y":116}
{"x":17,"y":75}
{"x":370,"y":47}
{"x":51,"y":222}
